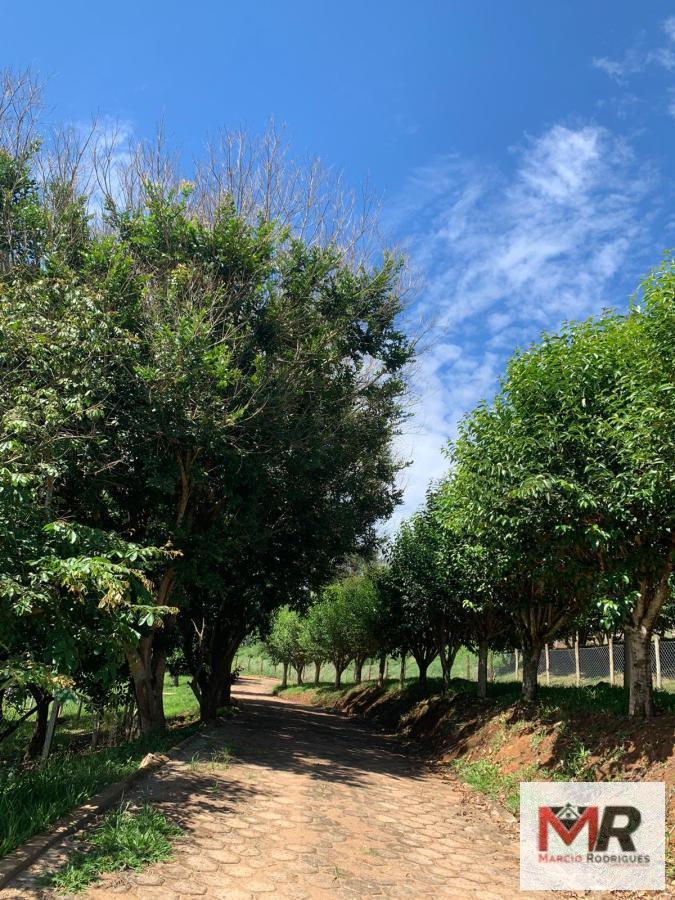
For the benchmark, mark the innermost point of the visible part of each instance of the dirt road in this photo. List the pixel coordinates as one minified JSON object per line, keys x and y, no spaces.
{"x":310,"y":805}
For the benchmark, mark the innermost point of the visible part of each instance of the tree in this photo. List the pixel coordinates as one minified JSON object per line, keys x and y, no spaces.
{"x":285,"y":642}
{"x":239,"y":389}
{"x":542,"y":590}
{"x":273,"y":374}
{"x":567,"y":477}
{"x":468,"y":566}
{"x":343,"y":623}
{"x":71,"y":585}
{"x":362,"y":604}
{"x":313,"y":639}
{"x":425,"y":594}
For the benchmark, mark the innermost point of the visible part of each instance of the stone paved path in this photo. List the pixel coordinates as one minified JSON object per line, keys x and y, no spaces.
{"x":311,"y":805}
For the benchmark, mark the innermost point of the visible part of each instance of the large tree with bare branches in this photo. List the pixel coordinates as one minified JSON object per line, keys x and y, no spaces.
{"x":253,"y":386}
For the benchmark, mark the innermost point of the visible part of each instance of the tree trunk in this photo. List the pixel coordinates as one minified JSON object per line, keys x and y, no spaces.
{"x":358,"y":669}
{"x":638,"y":635}
{"x":147,"y":665}
{"x":37,"y":741}
{"x":284,"y":677}
{"x":640,"y":698}
{"x":482,"y":669}
{"x":212,"y":688}
{"x":339,"y":669}
{"x":445,"y":675}
{"x":531,"y":655}
{"x":447,"y":651}
{"x":317,"y":672}
{"x":383,"y":666}
{"x":401,"y":677}
{"x":423,"y":666}
{"x":226,"y":675}
{"x":299,"y":670}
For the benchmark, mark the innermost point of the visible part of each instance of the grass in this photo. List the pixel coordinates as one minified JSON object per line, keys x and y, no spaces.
{"x":33,"y":798}
{"x":217,"y":759}
{"x":552,"y":700}
{"x":179,"y":703}
{"x":486,"y":777}
{"x":179,"y":700}
{"x":123,"y":840}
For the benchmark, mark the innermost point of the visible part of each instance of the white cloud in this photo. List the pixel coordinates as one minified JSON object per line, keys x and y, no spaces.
{"x":638,"y":58}
{"x":502,"y":258}
{"x":619,"y":69}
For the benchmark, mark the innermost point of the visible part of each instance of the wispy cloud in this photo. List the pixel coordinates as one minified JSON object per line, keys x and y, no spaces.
{"x":504,"y":256}
{"x":640,"y":57}
{"x":631,"y":62}
{"x":669,"y":28}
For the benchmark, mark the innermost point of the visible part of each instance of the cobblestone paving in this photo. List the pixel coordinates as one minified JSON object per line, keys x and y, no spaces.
{"x":311,"y":805}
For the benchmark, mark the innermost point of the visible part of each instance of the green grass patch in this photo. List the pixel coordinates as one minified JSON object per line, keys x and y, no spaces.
{"x":217,"y":759}
{"x":486,"y":777}
{"x":553,"y":701}
{"x":123,"y":840}
{"x":179,"y":700}
{"x":33,"y":799}
{"x":325,"y":692}
{"x":73,"y":732}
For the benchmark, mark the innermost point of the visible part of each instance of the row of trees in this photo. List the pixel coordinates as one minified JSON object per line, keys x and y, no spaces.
{"x":200,"y":384}
{"x":564,"y":484}
{"x":340,"y":627}
{"x":556,"y":516}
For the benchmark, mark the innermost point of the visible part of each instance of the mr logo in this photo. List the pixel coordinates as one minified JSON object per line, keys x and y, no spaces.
{"x":568,"y":821}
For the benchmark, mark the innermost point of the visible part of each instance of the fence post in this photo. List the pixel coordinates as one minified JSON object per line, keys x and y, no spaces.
{"x":51,"y":728}
{"x":96,"y":730}
{"x":548,"y":664}
{"x":577,"y":671}
{"x":610,"y":649}
{"x":516,"y":658}
{"x":657,"y":655}
{"x":491,"y":666}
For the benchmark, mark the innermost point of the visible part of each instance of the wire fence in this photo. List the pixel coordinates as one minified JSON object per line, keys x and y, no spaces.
{"x":589,"y":664}
{"x":564,"y":666}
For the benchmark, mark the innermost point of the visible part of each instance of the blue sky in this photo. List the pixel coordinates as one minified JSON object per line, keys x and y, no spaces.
{"x":523,"y":150}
